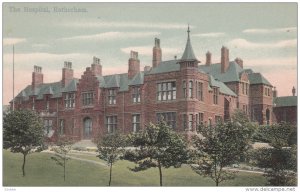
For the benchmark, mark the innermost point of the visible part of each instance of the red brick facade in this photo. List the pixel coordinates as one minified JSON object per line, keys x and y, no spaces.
{"x":185,"y":97}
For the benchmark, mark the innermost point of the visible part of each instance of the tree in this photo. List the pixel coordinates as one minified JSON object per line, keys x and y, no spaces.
{"x":64,"y":146}
{"x":22,"y":133}
{"x":280,"y":160}
{"x":157,"y":146}
{"x":111,"y":148}
{"x":220,"y":146}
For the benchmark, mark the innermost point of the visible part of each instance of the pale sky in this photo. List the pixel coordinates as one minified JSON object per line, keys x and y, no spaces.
{"x":264,"y":35}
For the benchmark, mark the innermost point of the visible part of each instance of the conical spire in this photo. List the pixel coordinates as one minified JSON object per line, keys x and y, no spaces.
{"x":188,"y":53}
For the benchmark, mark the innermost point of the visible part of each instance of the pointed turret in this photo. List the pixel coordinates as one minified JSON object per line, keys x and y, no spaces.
{"x":188,"y":54}
{"x":188,"y":59}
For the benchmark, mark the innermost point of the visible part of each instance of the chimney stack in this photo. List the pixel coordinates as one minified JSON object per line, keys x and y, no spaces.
{"x":133,"y":64}
{"x":96,"y":67}
{"x":294,"y":91}
{"x":224,"y":59}
{"x":37,"y":77}
{"x":239,"y":61}
{"x":67,"y":73}
{"x":156,"y":53}
{"x":274,"y":93}
{"x":208,"y":58}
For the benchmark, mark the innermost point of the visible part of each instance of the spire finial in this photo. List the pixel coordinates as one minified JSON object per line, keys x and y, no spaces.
{"x":188,"y":31}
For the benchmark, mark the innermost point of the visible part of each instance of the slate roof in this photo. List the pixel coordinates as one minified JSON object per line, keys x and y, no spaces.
{"x":165,"y":67}
{"x":231,"y":75}
{"x":287,"y":101}
{"x":223,"y":88}
{"x":257,"y":78}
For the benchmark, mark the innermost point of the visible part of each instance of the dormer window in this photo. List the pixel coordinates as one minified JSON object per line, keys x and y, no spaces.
{"x":70,"y":100}
{"x":112,"y":96}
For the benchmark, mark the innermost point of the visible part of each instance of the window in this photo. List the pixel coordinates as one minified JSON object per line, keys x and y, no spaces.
{"x":136,"y":122}
{"x":47,"y":105}
{"x":33,"y":104}
{"x":245,"y":88}
{"x":70,"y":100}
{"x":62,"y":127}
{"x":218,"y":118}
{"x":112,"y":96}
{"x":190,"y":121}
{"x":184,"y":89}
{"x":266,"y":91}
{"x":111,"y":124}
{"x":168,"y":117}
{"x":190,"y":89}
{"x":47,"y":126}
{"x":199,"y":119}
{"x":215,"y":95}
{"x":87,"y":98}
{"x":200,"y":91}
{"x":136,"y":96}
{"x":184,"y":118}
{"x":166,"y":91}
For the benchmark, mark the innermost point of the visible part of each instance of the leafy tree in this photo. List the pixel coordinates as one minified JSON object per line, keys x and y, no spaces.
{"x":22,"y":133}
{"x":157,"y":146}
{"x":220,"y":146}
{"x":111,"y":148}
{"x":279,"y":161}
{"x":64,"y":146}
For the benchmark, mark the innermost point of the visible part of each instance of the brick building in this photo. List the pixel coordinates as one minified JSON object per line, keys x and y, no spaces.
{"x":285,"y":108}
{"x":182,"y":91}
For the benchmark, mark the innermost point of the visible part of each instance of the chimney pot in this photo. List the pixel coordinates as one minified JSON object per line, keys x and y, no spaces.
{"x":157,"y":55}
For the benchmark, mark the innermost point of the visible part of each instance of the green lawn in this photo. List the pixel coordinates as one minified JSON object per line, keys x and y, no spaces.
{"x":42,"y":171}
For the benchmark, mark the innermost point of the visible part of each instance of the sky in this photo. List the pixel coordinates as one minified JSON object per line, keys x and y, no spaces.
{"x":264,"y":35}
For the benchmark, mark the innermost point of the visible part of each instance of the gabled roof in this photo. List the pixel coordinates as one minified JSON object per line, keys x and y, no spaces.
{"x":222,"y":87}
{"x":231,"y":75}
{"x":257,"y":78}
{"x":120,"y":80}
{"x":286,"y":101}
{"x":48,"y":91}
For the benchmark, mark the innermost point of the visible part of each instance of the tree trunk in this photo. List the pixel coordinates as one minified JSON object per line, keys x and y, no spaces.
{"x":24,"y":161}
{"x":110,"y":172}
{"x":65,"y":168}
{"x":160,"y":173}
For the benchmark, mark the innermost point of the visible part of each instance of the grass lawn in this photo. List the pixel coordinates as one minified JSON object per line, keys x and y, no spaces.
{"x":42,"y":171}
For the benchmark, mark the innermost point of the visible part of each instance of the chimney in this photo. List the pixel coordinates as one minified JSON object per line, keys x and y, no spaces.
{"x":37,"y":77}
{"x":239,"y":61}
{"x":294,"y":91}
{"x":156,"y":53}
{"x":133,"y":64}
{"x":224,"y":59}
{"x":67,"y":73}
{"x":208,"y":58}
{"x":96,"y":67}
{"x":147,"y":68}
{"x":274,"y":93}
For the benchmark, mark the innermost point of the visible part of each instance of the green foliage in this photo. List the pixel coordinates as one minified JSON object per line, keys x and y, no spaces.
{"x":22,"y":132}
{"x":111,"y":149}
{"x":157,"y":146}
{"x":220,"y":146}
{"x":64,"y":146}
{"x":280,"y":161}
{"x":279,"y":135}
